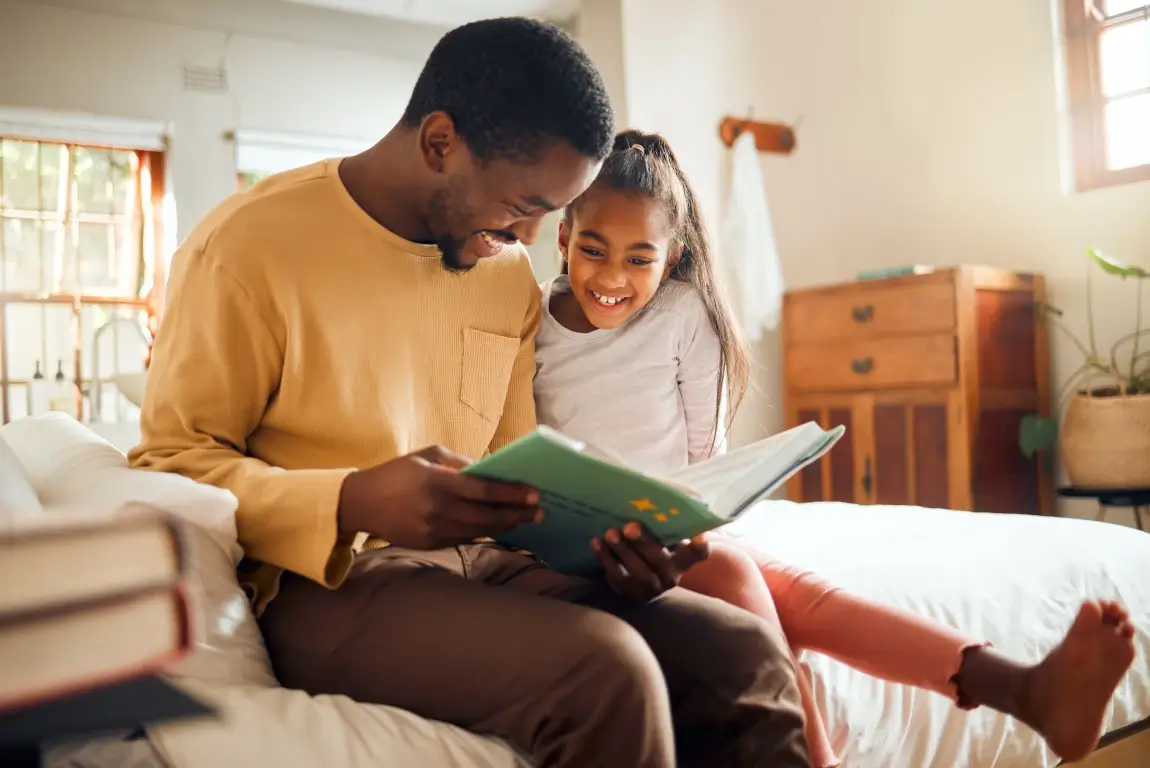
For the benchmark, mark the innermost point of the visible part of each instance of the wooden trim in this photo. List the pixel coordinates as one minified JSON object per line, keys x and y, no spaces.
{"x":1044,"y":406}
{"x":994,"y":279}
{"x":825,"y":466}
{"x":959,"y":454}
{"x":911,"y":456}
{"x":1011,"y":400}
{"x":777,"y":138}
{"x":11,"y":297}
{"x":1130,"y":748}
{"x":862,"y":420}
{"x":1087,"y":102}
{"x":794,"y":488}
{"x":966,"y":300}
{"x":938,"y":277}
{"x":916,"y":396}
{"x":157,"y":169}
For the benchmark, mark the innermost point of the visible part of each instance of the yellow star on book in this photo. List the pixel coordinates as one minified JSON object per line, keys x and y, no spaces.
{"x":672,"y":512}
{"x":660,"y":517}
{"x":643,"y":505}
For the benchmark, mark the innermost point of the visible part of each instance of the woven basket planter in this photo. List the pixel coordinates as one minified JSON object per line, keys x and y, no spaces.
{"x":1105,"y":441}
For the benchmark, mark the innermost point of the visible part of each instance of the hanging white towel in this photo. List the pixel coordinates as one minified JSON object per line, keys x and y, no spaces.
{"x":748,"y":244}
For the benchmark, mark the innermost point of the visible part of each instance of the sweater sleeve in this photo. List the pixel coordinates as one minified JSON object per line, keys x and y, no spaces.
{"x":699,"y":357}
{"x":519,"y":409}
{"x":215,"y":366}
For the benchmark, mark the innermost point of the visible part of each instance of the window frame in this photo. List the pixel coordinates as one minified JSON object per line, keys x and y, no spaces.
{"x":147,"y":232}
{"x":1083,"y":33}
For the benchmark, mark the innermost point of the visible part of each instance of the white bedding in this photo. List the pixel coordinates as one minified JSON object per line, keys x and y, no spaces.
{"x":1014,"y":580}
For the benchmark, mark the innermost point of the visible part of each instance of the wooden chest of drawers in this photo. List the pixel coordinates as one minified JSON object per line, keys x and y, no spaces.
{"x":931,"y":374}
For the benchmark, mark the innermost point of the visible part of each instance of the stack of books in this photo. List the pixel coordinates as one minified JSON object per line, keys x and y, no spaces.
{"x":91,"y":613}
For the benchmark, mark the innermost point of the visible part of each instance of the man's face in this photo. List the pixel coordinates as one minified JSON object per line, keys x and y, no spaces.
{"x":478,"y":208}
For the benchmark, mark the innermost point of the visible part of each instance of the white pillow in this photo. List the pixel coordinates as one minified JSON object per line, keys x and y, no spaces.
{"x":76,"y":472}
{"x":260,"y":723}
{"x":17,"y":496}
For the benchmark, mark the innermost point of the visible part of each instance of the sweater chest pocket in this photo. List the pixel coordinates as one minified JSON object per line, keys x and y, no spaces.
{"x":488,"y":360}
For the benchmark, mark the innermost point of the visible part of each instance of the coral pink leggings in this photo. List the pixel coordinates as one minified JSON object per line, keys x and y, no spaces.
{"x":883,"y":641}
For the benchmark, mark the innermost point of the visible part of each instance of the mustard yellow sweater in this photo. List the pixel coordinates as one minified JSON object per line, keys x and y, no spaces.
{"x":302,"y":340}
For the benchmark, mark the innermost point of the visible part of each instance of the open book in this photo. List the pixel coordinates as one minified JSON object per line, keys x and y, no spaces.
{"x":583,"y":493}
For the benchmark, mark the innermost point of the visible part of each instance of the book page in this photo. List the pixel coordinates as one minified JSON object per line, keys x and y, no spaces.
{"x":710,"y":478}
{"x":729,"y":483}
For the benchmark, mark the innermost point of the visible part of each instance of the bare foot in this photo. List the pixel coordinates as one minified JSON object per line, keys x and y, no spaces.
{"x":1070,"y":689}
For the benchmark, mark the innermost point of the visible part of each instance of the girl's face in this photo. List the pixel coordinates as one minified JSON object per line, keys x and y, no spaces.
{"x":617,"y":252}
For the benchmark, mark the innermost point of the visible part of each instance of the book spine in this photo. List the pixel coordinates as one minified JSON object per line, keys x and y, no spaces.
{"x":179,"y":594}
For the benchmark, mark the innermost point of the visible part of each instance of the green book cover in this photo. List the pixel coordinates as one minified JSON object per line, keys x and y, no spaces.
{"x":583,"y":493}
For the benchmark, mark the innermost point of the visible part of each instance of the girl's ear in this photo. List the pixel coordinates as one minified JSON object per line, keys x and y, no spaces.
{"x":564,"y":238}
{"x":673,"y":258}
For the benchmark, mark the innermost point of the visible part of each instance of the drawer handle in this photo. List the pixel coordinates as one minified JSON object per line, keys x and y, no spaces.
{"x":862,"y":364}
{"x":863,"y":313}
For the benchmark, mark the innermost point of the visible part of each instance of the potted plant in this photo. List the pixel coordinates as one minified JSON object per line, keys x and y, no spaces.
{"x":1104,"y":437}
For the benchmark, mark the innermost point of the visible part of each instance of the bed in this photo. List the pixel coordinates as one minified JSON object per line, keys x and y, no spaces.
{"x":1014,"y":580}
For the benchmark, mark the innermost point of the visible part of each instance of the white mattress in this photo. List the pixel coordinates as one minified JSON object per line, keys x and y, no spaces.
{"x":1014,"y":580}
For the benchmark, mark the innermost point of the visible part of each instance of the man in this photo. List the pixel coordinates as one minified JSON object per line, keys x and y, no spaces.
{"x":327,"y":326}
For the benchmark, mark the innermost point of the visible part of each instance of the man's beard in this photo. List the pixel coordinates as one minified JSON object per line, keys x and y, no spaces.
{"x":450,"y":247}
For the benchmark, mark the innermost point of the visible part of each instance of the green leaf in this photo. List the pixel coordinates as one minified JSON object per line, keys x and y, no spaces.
{"x":1036,"y":433}
{"x":1046,"y":308}
{"x":1112,"y":267}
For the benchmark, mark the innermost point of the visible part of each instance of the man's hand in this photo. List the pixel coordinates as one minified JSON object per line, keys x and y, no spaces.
{"x":640,"y":568}
{"x":422,"y":501}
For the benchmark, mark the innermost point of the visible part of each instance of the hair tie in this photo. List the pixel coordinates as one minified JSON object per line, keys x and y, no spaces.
{"x":640,"y":148}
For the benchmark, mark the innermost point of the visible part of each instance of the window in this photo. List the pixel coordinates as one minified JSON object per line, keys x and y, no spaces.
{"x":71,"y":219}
{"x":79,"y":236}
{"x":260,"y":154}
{"x":1108,"y":62}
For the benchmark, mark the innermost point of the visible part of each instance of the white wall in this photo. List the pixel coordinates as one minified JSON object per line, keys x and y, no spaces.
{"x":930,"y":133}
{"x":85,"y":58}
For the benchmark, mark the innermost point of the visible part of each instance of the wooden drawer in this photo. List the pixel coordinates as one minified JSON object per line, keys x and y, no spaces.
{"x":864,"y":312}
{"x":866,"y":364}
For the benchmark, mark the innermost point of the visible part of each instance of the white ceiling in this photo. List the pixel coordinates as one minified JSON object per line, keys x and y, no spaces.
{"x":451,"y":12}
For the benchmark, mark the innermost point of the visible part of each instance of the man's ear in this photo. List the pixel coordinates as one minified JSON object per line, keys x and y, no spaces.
{"x":438,"y":140}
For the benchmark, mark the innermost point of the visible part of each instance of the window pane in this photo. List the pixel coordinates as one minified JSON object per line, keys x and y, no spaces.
{"x":96,"y":260}
{"x":123,"y":179}
{"x":1125,"y":54}
{"x":39,"y":333}
{"x":53,"y":160}
{"x":1128,"y":132}
{"x":21,"y":183}
{"x":93,"y":174}
{"x":25,"y":241}
{"x":1116,"y":7}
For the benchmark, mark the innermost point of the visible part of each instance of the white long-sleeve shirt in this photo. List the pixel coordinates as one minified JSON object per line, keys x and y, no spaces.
{"x":644,"y":392}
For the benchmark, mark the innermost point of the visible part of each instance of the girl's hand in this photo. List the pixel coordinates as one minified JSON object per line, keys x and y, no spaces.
{"x":640,"y":568}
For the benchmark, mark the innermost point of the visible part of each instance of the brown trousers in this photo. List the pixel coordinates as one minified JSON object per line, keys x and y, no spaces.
{"x":560,"y":666}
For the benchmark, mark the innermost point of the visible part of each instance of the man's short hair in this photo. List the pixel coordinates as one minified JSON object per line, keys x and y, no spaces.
{"x":511,"y":85}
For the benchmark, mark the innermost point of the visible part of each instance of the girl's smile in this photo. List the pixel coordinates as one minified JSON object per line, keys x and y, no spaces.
{"x":616,"y":246}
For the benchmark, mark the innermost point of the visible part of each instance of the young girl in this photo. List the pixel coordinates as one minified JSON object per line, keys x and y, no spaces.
{"x":638,"y":354}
